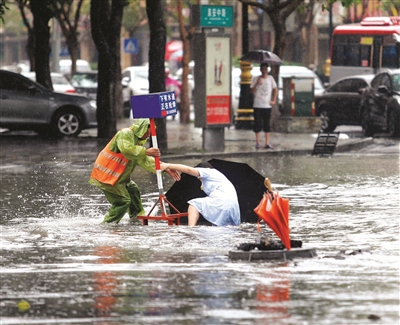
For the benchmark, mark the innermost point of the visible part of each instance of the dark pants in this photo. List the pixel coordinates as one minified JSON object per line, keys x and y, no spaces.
{"x":131,"y":202}
{"x":262,"y":119}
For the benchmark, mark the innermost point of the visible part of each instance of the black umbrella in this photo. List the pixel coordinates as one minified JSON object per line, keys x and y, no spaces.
{"x":249,"y":185}
{"x":260,"y":56}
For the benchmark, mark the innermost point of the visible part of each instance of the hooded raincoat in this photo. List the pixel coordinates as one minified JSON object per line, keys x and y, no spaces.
{"x":124,"y":195}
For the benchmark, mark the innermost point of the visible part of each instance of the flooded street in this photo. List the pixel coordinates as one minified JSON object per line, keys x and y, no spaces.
{"x":60,"y":265}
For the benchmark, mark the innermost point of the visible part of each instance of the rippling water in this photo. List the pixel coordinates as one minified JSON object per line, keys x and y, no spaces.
{"x":61,"y":266}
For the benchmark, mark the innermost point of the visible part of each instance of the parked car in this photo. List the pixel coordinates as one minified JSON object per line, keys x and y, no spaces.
{"x":81,"y":66}
{"x":135,"y":81}
{"x":85,"y":83}
{"x":340,"y":103}
{"x":380,"y":104}
{"x":27,"y":105}
{"x":60,"y":83}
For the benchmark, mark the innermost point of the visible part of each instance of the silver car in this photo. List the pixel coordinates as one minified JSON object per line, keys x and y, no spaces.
{"x":27,"y":105}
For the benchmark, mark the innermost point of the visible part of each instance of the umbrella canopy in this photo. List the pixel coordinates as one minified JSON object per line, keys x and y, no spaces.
{"x":249,"y":185}
{"x":260,"y":56}
{"x":275,"y":213}
{"x":172,"y":47}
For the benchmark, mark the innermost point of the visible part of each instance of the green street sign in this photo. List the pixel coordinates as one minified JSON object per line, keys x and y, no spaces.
{"x":216,"y":16}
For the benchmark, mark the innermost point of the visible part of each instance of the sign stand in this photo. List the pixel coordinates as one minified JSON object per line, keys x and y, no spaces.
{"x":157,"y":105}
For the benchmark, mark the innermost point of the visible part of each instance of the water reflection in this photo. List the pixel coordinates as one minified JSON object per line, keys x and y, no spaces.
{"x":69,"y":268}
{"x":105,"y":282}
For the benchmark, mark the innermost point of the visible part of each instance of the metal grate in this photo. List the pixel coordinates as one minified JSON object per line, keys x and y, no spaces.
{"x":326,"y":143}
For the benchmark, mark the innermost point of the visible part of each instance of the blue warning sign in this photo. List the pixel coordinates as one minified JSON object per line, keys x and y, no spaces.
{"x":131,"y":45}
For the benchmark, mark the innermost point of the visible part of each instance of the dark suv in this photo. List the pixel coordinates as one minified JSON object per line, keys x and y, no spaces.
{"x":27,"y":105}
{"x":380,"y":107}
{"x":340,"y":103}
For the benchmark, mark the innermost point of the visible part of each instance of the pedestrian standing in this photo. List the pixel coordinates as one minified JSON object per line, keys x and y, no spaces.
{"x":115,"y":164}
{"x":265,"y":92}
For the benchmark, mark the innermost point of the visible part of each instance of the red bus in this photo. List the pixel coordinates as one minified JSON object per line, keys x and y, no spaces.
{"x":366,"y":47}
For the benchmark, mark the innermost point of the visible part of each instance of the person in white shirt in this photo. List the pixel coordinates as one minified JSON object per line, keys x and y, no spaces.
{"x":220,"y":206}
{"x":265,"y":92}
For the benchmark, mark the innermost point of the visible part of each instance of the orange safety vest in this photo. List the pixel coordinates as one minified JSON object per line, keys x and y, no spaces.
{"x":109,"y":166}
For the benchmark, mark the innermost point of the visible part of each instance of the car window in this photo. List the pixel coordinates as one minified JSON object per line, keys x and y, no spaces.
{"x":386,"y":81}
{"x":126,"y":74}
{"x":396,"y":82}
{"x":376,"y":82}
{"x":358,"y":84}
{"x":10,"y":82}
{"x":59,"y":80}
{"x":342,"y":86}
{"x":84,"y":80}
{"x":142,"y":74}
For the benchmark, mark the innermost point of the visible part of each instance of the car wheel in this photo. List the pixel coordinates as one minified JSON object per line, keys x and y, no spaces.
{"x":67,"y":123}
{"x":366,"y":123}
{"x":393,"y":123}
{"x":326,"y":124}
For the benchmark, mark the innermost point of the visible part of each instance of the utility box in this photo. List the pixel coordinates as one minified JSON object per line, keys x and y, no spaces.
{"x":298,"y":96}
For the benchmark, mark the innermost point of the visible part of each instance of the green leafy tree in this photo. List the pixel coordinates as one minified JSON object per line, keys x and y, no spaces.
{"x":67,"y":13}
{"x":135,"y":19}
{"x":3,"y":8}
{"x":23,"y":7}
{"x":278,"y":12}
{"x":305,"y":17}
{"x":392,"y":7}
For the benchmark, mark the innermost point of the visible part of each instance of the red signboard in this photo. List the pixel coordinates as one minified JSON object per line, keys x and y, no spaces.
{"x":218,"y":109}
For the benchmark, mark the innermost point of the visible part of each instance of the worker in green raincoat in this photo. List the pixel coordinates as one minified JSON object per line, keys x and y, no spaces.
{"x":116,"y":162}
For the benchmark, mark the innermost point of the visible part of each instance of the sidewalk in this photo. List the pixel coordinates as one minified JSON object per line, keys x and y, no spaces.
{"x":185,"y":141}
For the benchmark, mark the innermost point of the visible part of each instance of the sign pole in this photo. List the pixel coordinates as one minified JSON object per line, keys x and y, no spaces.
{"x":151,"y":106}
{"x":158,"y":168}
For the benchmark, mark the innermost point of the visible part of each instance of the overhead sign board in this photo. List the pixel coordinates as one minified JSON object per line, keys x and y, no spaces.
{"x":212,"y":16}
{"x":216,"y":16}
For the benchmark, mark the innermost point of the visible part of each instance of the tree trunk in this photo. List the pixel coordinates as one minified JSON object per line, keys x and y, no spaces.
{"x":106,"y":29}
{"x":184,"y":108}
{"x":30,"y":44}
{"x":158,"y":37}
{"x":41,"y":17}
{"x":68,"y":21}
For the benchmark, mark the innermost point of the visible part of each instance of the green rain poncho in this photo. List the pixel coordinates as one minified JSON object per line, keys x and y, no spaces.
{"x":124,"y":196}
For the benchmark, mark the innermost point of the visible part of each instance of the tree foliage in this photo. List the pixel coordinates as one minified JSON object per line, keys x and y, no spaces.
{"x":67,"y":13}
{"x":135,"y":16}
{"x":3,"y":8}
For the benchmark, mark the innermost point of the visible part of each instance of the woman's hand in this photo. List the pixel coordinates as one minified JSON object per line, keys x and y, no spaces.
{"x":171,"y":172}
{"x":174,"y":174}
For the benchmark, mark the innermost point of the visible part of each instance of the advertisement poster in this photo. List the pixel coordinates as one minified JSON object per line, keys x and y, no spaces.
{"x":218,"y":74}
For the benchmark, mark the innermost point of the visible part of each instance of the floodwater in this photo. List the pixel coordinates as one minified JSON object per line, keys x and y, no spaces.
{"x":59,"y":265}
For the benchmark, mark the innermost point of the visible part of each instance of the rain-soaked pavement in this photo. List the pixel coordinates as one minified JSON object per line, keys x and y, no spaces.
{"x":59,"y":265}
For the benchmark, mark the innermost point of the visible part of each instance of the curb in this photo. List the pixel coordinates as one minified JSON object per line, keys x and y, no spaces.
{"x":357,"y":144}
